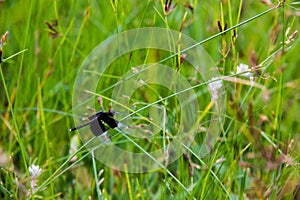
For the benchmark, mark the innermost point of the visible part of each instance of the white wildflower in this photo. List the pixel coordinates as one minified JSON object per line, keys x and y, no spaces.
{"x":34,"y":171}
{"x":243,"y":70}
{"x":214,"y":86}
{"x":134,"y":70}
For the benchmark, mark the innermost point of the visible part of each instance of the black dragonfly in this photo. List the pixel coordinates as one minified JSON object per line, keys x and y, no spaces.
{"x":100,"y":122}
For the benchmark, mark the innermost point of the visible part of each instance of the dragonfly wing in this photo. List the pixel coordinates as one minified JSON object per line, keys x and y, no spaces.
{"x":104,"y":138}
{"x":97,"y":127}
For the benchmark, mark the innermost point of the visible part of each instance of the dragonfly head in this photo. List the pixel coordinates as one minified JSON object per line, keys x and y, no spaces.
{"x":111,"y":112}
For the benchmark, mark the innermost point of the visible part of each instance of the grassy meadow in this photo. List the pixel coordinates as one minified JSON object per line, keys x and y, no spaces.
{"x":257,"y":151}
